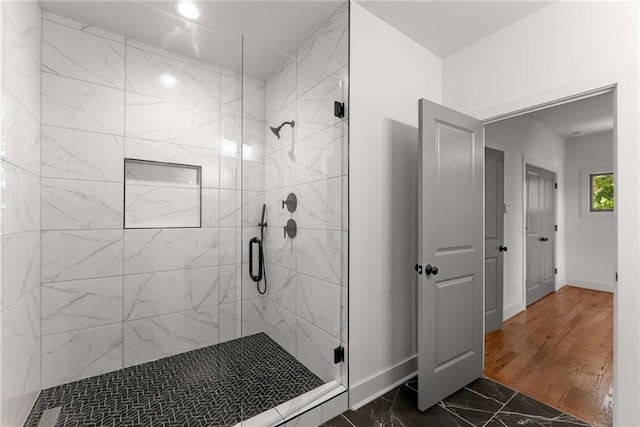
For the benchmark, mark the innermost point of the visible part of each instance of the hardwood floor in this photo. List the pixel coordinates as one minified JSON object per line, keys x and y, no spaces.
{"x":560,"y":352}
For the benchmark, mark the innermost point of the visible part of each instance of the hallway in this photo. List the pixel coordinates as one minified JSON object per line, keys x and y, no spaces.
{"x":560,"y":352}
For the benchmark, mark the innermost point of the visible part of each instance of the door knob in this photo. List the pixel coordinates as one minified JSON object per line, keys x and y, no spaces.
{"x":430,"y":269}
{"x":543,"y":239}
{"x":503,"y":249}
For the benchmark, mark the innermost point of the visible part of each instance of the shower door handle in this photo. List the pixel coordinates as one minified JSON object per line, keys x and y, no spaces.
{"x":252,"y":242}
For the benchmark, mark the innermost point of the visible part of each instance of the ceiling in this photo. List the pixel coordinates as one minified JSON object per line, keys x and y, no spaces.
{"x":587,"y":116}
{"x":444,"y":27}
{"x":215,"y":36}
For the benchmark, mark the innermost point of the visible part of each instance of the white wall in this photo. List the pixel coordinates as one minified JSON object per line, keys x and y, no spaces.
{"x":564,"y":49}
{"x":389,"y":73}
{"x":518,"y":137}
{"x":590,"y":248}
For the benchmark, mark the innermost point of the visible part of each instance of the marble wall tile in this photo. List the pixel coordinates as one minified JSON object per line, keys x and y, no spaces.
{"x":326,"y":52}
{"x":161,"y":77}
{"x":315,"y":107}
{"x":82,"y":27}
{"x":229,"y":208}
{"x":280,"y":168}
{"x":314,"y":349}
{"x":210,"y":208}
{"x":252,"y":202}
{"x":80,"y":304}
{"x":280,"y":89}
{"x":320,"y":204}
{"x":21,"y":390}
{"x":80,"y":105}
{"x":20,"y":331}
{"x":172,"y":153}
{"x":152,"y":294}
{"x":253,"y":175}
{"x":277,"y":216}
{"x":153,"y":250}
{"x":319,"y":303}
{"x":229,"y":322}
{"x":229,"y":279}
{"x":78,"y":54}
{"x":72,"y":356}
{"x":22,"y":31}
{"x":287,"y":134}
{"x":20,"y":211}
{"x":230,"y":172}
{"x":180,"y":58}
{"x":252,"y":106}
{"x":252,"y":317}
{"x":283,"y":285}
{"x":319,"y":254}
{"x":280,"y":325}
{"x":81,"y":254}
{"x":22,"y":253}
{"x":158,"y":207}
{"x":20,"y":143}
{"x":166,"y":121}
{"x":229,"y":246}
{"x":71,"y":204}
{"x":75,"y":154}
{"x":156,"y":337}
{"x":281,"y":251}
{"x":253,"y":142}
{"x":320,"y":156}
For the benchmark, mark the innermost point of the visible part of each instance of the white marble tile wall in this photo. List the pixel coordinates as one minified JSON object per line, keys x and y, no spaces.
{"x":304,"y":310}
{"x":20,"y":326}
{"x":115,"y":297}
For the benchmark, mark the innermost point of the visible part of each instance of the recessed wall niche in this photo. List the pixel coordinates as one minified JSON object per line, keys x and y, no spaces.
{"x":161,"y":195}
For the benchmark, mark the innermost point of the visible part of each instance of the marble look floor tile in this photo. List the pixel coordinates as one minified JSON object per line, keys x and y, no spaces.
{"x":490,"y":389}
{"x":505,"y":419}
{"x":521,"y":406}
{"x":471,"y":405}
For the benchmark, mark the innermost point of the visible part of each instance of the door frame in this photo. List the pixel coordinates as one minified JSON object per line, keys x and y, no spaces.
{"x":543,"y":100}
{"x":530,"y":161}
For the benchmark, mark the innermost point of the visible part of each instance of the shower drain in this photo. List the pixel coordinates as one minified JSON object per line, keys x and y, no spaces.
{"x":50,"y":417}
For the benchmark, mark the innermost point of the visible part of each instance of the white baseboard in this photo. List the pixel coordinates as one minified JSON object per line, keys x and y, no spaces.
{"x":587,"y":284}
{"x":512,"y":310}
{"x":375,"y":386}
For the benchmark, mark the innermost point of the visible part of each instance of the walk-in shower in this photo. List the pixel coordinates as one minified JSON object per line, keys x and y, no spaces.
{"x":143,"y":181}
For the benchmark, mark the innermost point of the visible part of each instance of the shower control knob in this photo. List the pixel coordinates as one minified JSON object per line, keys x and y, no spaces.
{"x":291,"y":203}
{"x":291,"y":229}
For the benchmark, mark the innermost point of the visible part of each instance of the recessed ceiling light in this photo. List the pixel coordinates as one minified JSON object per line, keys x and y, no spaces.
{"x":188,"y":9}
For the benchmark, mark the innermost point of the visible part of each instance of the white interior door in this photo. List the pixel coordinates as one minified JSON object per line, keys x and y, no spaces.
{"x":450,"y":250}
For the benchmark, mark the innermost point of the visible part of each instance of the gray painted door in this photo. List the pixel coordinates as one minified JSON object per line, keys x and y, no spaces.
{"x":494,"y":249}
{"x":541,"y":235}
{"x":450,"y":303}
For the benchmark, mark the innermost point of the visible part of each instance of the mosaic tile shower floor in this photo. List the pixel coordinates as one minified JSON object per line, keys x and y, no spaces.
{"x":219,"y":385}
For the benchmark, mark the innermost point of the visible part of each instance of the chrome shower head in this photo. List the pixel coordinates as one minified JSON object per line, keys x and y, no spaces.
{"x":276,"y":131}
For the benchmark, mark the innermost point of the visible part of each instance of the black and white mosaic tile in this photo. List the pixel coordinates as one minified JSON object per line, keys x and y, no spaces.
{"x":481,"y":403}
{"x":219,"y":385}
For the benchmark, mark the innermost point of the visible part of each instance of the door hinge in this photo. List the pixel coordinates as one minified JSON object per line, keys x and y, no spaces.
{"x":338,"y":354}
{"x":616,"y":276}
{"x":556,"y":228}
{"x":555,"y":185}
{"x":338,"y":109}
{"x":555,"y":271}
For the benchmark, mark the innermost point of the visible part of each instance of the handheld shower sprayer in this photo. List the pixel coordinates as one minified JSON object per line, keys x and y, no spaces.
{"x":262,"y":267}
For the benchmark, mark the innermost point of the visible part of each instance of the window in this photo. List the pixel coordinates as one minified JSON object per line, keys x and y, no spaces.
{"x":601,"y":194}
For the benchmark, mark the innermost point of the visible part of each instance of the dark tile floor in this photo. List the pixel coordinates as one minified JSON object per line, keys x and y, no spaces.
{"x":481,"y":403}
{"x":218,"y":385}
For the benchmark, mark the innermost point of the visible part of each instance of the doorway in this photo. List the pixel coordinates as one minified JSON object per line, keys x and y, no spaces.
{"x":556,"y":343}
